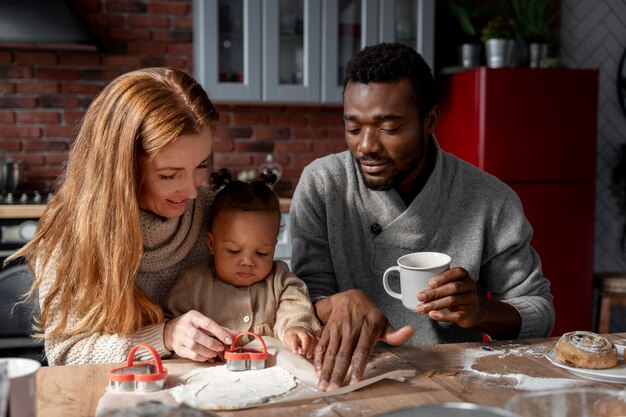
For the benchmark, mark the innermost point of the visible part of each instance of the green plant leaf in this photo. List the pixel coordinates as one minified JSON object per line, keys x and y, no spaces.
{"x":461,"y":15}
{"x":534,"y":18}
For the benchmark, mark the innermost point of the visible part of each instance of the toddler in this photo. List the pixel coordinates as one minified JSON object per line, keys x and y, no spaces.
{"x":244,"y":288}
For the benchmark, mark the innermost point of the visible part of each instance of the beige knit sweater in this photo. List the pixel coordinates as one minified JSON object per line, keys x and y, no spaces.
{"x":267,"y":308}
{"x":169,"y":247}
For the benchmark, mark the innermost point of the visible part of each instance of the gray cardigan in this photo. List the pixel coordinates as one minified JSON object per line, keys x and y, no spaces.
{"x":462,"y":211}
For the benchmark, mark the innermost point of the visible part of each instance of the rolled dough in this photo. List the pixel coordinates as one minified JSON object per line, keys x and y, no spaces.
{"x":217,"y":388}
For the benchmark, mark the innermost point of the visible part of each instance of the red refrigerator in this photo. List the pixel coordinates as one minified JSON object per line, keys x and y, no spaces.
{"x":535,"y":129}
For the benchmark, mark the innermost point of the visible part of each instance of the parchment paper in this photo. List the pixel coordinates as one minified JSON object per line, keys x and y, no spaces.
{"x":382,"y":366}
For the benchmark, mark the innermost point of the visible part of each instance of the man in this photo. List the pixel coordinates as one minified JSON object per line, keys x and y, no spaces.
{"x":395,"y":192}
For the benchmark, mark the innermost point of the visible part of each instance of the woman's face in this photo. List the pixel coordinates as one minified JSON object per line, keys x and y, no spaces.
{"x":243,"y":244}
{"x":173,"y":176}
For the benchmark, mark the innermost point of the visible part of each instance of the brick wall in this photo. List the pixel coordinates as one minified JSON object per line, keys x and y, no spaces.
{"x":44,"y":93}
{"x":295,"y":135}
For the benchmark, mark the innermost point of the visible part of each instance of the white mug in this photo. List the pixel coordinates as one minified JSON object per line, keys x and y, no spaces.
{"x":415,"y":270}
{"x":22,"y":393}
{"x":4,"y":388}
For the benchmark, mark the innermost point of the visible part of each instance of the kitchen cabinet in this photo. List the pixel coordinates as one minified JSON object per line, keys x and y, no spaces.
{"x":296,"y":50}
{"x":227,"y":48}
{"x":535,"y":129}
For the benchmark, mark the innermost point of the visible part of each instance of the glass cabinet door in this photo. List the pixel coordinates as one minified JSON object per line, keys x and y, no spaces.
{"x":291,"y":42}
{"x":347,"y":26}
{"x":291,"y":48}
{"x":227,"y":48}
{"x":411,"y":22}
{"x":296,"y":50}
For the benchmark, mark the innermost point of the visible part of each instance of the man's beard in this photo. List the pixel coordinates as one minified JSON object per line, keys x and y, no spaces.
{"x":386,"y":184}
{"x":377,"y":184}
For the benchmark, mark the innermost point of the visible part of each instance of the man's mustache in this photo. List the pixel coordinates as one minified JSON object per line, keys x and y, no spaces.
{"x":372,"y":158}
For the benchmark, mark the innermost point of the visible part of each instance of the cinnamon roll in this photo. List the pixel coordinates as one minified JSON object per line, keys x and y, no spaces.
{"x":586,"y":350}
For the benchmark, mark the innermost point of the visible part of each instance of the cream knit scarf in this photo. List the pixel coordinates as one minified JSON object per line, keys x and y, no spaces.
{"x":167,"y":242}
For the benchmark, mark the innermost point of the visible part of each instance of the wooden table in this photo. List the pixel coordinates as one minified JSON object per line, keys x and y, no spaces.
{"x":483,"y":373}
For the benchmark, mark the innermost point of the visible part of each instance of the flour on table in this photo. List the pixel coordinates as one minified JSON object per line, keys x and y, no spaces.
{"x":529,"y":383}
{"x":217,"y":388}
{"x":520,"y":381}
{"x":331,"y":410}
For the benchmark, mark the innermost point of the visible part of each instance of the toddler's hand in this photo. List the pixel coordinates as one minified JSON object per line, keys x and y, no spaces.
{"x":301,"y":341}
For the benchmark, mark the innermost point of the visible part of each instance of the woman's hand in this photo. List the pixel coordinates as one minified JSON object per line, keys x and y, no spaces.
{"x":197,"y":337}
{"x":300,"y":341}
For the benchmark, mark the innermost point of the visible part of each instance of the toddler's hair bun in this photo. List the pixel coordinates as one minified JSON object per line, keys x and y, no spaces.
{"x":221,"y":178}
{"x":268,"y":177}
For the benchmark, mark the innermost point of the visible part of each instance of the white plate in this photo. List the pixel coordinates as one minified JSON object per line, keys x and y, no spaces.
{"x":620,"y":344}
{"x":616,"y":375}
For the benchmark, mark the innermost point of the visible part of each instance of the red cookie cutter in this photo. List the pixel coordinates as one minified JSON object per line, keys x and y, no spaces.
{"x":139,"y":376}
{"x":244,"y":358}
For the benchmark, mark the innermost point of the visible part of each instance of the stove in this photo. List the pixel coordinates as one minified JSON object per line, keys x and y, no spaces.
{"x":19,"y":216}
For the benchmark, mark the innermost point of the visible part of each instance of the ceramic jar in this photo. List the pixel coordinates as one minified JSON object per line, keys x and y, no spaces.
{"x":537,"y":52}
{"x":469,"y":55}
{"x":499,"y":52}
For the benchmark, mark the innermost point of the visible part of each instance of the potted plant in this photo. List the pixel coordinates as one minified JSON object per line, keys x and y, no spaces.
{"x":499,"y":35}
{"x":468,"y":15}
{"x":535,"y":20}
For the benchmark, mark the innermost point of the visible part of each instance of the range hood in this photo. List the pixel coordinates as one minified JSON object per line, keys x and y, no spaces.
{"x":43,"y":24}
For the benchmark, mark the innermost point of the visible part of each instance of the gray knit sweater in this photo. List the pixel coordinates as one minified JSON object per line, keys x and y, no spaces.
{"x":169,"y":247}
{"x":462,"y":211}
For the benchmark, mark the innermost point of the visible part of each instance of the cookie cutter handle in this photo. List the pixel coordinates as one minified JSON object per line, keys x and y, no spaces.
{"x":155,"y":357}
{"x":240,"y":335}
{"x":139,"y":376}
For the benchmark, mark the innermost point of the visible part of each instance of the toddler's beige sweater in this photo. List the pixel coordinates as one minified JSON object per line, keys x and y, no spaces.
{"x":267,"y":307}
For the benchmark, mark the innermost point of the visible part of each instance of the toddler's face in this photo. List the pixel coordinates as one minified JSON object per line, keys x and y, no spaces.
{"x":243,"y":244}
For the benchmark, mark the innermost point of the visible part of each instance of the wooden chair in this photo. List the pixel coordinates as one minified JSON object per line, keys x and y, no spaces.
{"x":612,"y":292}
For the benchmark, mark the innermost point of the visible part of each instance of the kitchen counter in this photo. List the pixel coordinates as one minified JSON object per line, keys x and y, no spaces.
{"x":21,"y":211}
{"x":33,"y":211}
{"x":285,"y":204}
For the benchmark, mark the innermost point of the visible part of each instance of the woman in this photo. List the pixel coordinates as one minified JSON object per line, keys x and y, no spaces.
{"x":128,"y":215}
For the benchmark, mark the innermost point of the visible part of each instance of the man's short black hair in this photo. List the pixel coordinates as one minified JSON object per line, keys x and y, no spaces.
{"x":386,"y":62}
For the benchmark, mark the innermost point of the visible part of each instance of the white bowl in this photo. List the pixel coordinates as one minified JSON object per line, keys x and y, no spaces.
{"x":21,"y":367}
{"x":575,"y":402}
{"x":459,"y":409}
